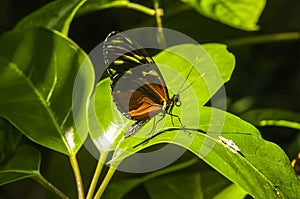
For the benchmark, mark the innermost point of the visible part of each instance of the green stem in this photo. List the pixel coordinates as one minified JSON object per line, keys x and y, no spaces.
{"x":141,"y":8}
{"x":158,"y":13}
{"x":77,"y":175}
{"x":96,"y":175}
{"x":66,"y":27}
{"x":117,"y":4}
{"x":160,"y":34}
{"x":45,"y":183}
{"x":105,"y":182}
{"x":278,"y":37}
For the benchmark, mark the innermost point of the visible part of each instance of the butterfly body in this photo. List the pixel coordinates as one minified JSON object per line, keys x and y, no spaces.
{"x":137,"y":86}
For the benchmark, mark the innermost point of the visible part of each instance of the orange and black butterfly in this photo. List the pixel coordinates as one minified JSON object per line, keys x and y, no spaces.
{"x":137,"y":86}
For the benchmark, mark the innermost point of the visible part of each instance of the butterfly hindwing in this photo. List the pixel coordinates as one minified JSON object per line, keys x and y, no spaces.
{"x":137,"y":86}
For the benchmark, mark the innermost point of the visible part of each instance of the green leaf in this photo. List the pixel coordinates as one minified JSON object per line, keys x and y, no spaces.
{"x":212,"y":61}
{"x":273,"y":117}
{"x":212,"y":183}
{"x":241,"y":155}
{"x":9,"y":139}
{"x":104,"y":124}
{"x":56,"y":15}
{"x":37,"y":73}
{"x":232,"y":191}
{"x":259,"y":165}
{"x":119,"y":188}
{"x":25,"y":163}
{"x":180,"y":186}
{"x":95,"y":5}
{"x":202,"y":183}
{"x":242,"y":14}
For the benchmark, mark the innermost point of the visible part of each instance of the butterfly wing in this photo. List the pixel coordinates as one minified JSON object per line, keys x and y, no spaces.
{"x":137,"y":86}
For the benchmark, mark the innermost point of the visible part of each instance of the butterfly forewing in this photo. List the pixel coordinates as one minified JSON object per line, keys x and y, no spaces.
{"x":137,"y":86}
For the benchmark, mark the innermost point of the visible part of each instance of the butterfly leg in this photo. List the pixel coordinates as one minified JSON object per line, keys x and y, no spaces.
{"x":172,"y":115}
{"x":152,"y":135}
{"x":181,"y":124}
{"x":153,"y":128}
{"x":156,"y":122}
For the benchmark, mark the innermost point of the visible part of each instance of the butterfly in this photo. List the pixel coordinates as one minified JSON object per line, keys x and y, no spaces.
{"x":296,"y":165}
{"x":137,"y":85}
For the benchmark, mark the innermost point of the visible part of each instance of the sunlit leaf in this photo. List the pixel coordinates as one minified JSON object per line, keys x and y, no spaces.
{"x":230,"y":145}
{"x":213,"y":66}
{"x":37,"y":73}
{"x":256,"y":164}
{"x":242,"y":14}
{"x":56,"y":15}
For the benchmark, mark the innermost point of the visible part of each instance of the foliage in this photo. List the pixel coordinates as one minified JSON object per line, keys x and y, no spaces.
{"x":41,"y":67}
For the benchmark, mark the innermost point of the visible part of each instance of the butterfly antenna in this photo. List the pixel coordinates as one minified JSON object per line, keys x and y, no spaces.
{"x":191,"y":83}
{"x":180,"y":90}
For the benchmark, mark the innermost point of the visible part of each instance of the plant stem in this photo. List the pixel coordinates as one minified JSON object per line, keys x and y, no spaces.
{"x":160,"y":34}
{"x":77,"y":174}
{"x":118,"y":4}
{"x":45,"y":183}
{"x":96,"y":175}
{"x":270,"y":38}
{"x":105,"y":182}
{"x":140,"y":8}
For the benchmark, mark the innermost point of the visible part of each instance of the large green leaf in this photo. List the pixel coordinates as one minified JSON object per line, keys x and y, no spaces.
{"x":242,"y":14}
{"x":25,"y":163}
{"x":37,"y":73}
{"x":259,"y":165}
{"x":241,"y":155}
{"x":56,"y":15}
{"x":212,"y":61}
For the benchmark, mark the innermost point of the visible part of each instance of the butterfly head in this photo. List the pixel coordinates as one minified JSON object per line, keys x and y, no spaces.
{"x":176,"y":100}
